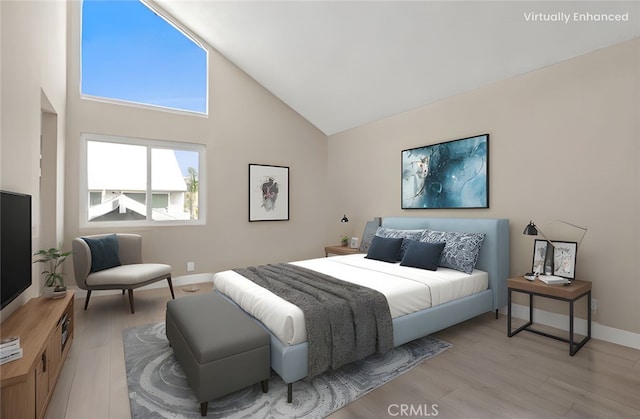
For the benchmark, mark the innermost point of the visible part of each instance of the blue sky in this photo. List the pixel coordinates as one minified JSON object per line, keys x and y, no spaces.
{"x":130,"y":53}
{"x":187,"y":159}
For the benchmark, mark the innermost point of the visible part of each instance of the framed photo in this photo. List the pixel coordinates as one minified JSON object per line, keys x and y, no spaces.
{"x":564,"y":257}
{"x":539,"y":256}
{"x":268,"y":193}
{"x":453,"y":174}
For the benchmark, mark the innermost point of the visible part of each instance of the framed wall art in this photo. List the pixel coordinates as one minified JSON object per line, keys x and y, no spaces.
{"x":452,"y":174}
{"x":268,"y":193}
{"x":564,"y":257}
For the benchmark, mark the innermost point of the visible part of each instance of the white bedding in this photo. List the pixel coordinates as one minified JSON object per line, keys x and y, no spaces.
{"x":407,"y":290}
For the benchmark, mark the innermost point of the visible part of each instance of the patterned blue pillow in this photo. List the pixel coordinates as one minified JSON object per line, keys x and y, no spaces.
{"x":460,"y":251}
{"x":406,"y":235}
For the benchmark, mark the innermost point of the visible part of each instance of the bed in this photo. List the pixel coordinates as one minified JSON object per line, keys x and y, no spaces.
{"x":289,"y":351}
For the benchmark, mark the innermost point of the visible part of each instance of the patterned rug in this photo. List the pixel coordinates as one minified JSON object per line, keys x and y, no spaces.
{"x":158,"y":387}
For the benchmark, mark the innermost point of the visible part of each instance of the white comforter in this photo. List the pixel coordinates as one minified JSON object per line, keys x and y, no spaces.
{"x":407,"y":290}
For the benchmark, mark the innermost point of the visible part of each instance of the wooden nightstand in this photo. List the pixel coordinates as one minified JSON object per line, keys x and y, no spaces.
{"x":340,"y":250}
{"x":570,"y":293}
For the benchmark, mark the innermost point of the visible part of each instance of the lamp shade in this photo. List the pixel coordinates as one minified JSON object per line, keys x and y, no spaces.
{"x":530,"y":229}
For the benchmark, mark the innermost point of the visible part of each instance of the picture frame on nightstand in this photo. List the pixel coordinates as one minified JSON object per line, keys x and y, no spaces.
{"x":564,"y":257}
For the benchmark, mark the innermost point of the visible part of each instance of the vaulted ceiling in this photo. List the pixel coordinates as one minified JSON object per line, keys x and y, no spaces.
{"x":341,"y":64}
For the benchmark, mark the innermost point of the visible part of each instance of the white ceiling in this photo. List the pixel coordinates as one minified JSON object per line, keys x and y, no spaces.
{"x":342,"y":64}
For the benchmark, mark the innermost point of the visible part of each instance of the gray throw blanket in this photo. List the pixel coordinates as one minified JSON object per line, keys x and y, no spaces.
{"x":345,"y":322}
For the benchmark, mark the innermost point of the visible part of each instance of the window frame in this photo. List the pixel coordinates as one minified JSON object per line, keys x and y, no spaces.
{"x":142,"y":105}
{"x":150,"y":144}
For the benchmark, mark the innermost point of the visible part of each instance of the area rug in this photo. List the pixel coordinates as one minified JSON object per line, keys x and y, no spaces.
{"x":158,"y":387}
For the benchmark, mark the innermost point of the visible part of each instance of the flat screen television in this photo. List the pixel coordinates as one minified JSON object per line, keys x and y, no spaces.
{"x":15,"y":245}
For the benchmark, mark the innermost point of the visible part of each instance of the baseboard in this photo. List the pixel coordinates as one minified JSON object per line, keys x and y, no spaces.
{"x":558,"y":321}
{"x":561,"y":321}
{"x":177,"y":281}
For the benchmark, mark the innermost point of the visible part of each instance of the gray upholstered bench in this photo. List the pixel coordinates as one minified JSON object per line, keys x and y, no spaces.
{"x":220,"y":348}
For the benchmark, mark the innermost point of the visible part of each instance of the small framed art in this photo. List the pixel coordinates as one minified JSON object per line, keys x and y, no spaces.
{"x":268,"y":193}
{"x":539,"y":256}
{"x":564,"y":257}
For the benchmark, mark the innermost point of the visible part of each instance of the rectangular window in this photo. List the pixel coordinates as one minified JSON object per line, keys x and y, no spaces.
{"x":132,"y":181}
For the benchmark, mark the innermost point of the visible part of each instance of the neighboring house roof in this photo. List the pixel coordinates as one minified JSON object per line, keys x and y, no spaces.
{"x":122,"y":167}
{"x":122,"y":203}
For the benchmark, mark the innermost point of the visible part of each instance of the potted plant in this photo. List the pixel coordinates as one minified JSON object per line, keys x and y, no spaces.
{"x":345,"y":240}
{"x":53,"y":280}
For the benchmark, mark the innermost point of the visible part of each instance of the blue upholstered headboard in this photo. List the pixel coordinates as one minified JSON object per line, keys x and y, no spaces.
{"x":494,"y":253}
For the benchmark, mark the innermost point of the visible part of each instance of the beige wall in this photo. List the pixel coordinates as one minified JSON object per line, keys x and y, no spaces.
{"x":246,"y":124}
{"x":564,"y":145}
{"x":33,"y":81}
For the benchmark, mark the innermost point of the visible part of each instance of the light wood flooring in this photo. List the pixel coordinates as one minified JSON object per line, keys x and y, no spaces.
{"x":485,"y":374}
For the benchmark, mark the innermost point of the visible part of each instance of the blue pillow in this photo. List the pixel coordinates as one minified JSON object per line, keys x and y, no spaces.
{"x":461,"y":250}
{"x":104,"y":252}
{"x":423,"y":255}
{"x":407,"y":235}
{"x":384,"y":249}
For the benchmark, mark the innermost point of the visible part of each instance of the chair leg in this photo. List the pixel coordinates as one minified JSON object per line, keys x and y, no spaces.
{"x":86,"y":301}
{"x":131,"y":300}
{"x":122,"y":292}
{"x":203,"y":408}
{"x":171,"y":287}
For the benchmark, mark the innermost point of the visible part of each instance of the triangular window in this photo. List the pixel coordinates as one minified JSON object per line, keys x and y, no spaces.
{"x":132,"y":54}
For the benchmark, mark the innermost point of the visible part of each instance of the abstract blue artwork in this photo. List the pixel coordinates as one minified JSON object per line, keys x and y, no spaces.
{"x":453,"y":174}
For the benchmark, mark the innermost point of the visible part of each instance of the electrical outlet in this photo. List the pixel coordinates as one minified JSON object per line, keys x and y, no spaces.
{"x":191,"y":266}
{"x":594,"y":304}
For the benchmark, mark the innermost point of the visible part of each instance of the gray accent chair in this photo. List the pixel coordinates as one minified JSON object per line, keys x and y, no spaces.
{"x":131,"y":274}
